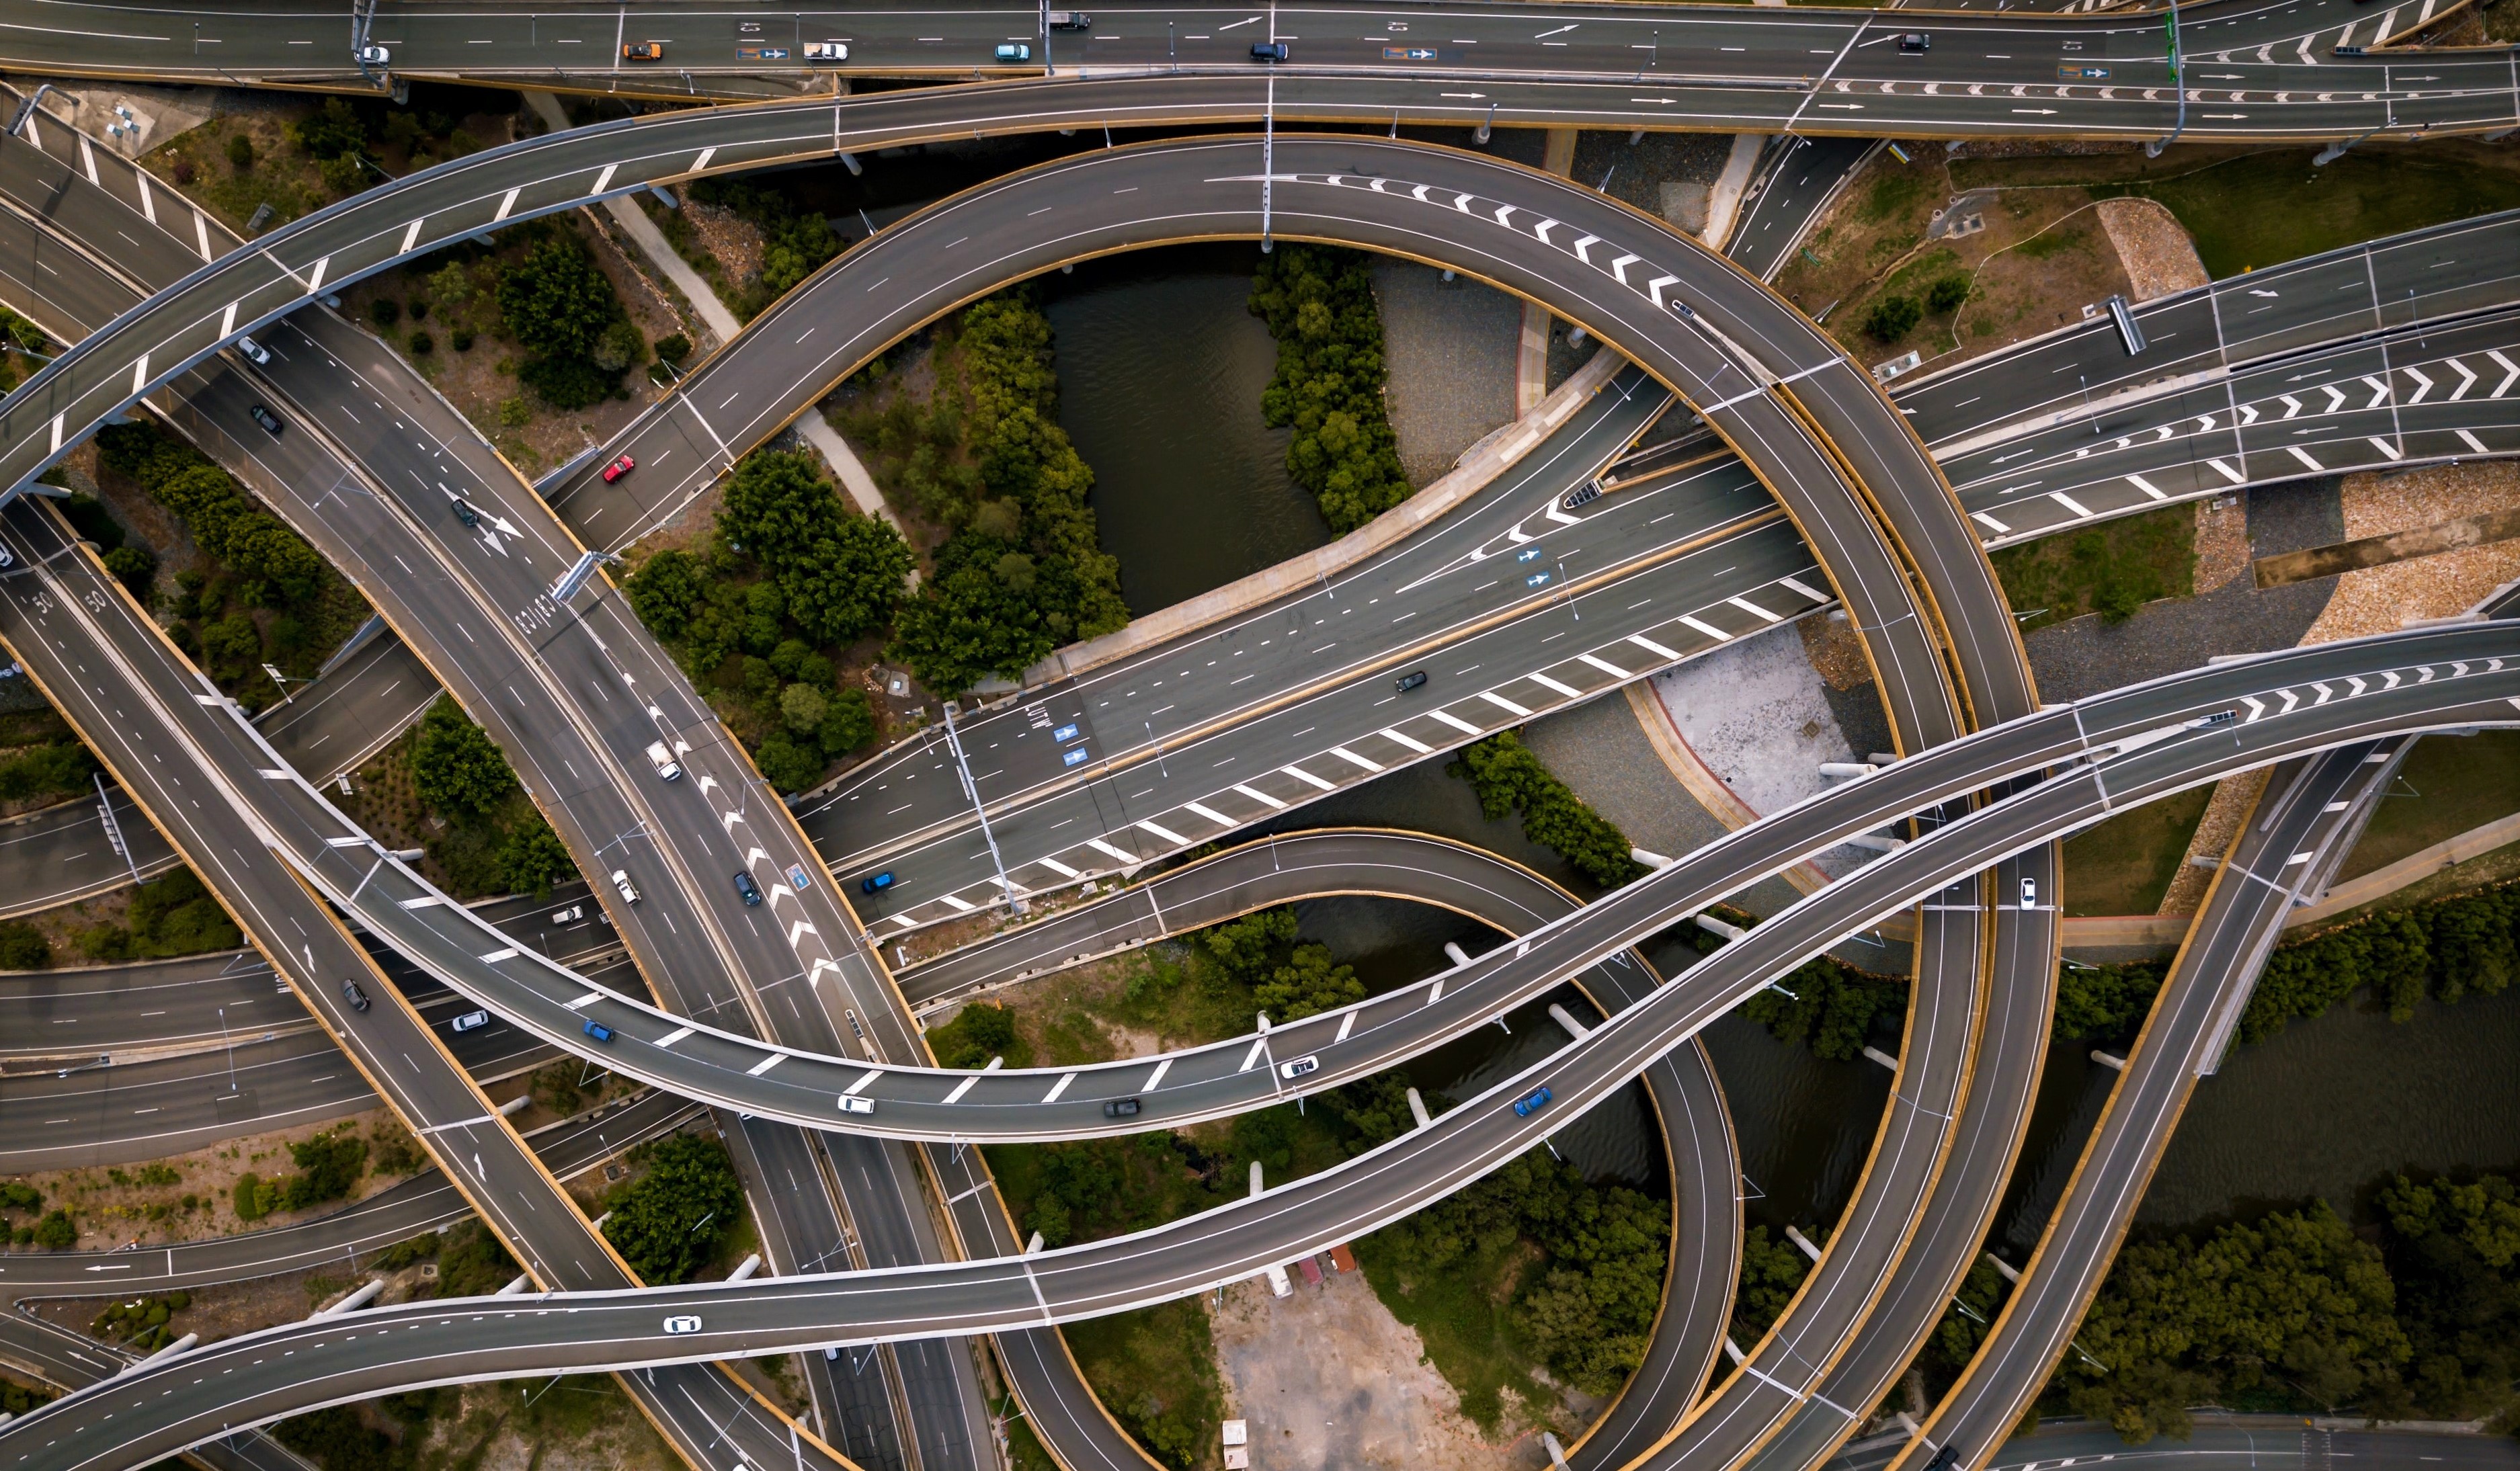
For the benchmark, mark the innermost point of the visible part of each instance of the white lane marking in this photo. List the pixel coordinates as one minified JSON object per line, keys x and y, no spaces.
{"x":1307,"y":777}
{"x":1058,"y":1087}
{"x":410,"y":238}
{"x":2080,"y":511}
{"x":2384,"y":446}
{"x":1109,"y":851}
{"x":1652,"y":648}
{"x":1603,"y":665}
{"x":1251,"y":1060}
{"x":1456,"y":722}
{"x":2473,"y":442}
{"x":1503,"y":703}
{"x":1211,"y":814}
{"x":1799,"y":585}
{"x":1158,"y":1076}
{"x":1752,"y":609}
{"x":1172,"y":838}
{"x":2466,"y":379}
{"x":1352,"y":758}
{"x":1261,"y":797}
{"x":2302,"y":455}
{"x":961,"y":1088}
{"x":1420,"y":746}
{"x":1704,"y":627}
{"x":674,"y":1036}
{"x":1568,"y":691}
{"x":1998,"y":528}
{"x":765,"y":1064}
{"x":2225,"y":469}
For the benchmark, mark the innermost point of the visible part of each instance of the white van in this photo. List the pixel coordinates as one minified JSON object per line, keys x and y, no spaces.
{"x":664,"y":760}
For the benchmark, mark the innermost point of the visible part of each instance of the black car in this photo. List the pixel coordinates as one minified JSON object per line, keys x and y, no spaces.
{"x":1409,"y":681}
{"x":358,"y":997}
{"x":1120,"y":1108}
{"x":269,"y":421}
{"x":465,"y":512}
{"x":1268,"y":51}
{"x":1915,"y":43}
{"x":744,"y":886}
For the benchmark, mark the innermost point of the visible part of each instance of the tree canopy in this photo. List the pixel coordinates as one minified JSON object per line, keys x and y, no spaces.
{"x":1319,"y":303}
{"x":560,"y":307}
{"x":1509,"y":777}
{"x":840,"y":572}
{"x":667,"y":1223}
{"x":455,"y":767}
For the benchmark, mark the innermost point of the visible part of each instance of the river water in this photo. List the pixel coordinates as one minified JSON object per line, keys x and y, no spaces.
{"x":1160,"y":371}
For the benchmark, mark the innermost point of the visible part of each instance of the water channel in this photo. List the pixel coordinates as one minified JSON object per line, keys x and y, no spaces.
{"x":1160,"y":371}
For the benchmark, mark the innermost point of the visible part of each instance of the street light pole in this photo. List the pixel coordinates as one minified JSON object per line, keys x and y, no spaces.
{"x":2178,"y":84}
{"x":971,"y":789}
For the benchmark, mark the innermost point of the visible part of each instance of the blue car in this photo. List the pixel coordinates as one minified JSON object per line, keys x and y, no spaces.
{"x":876,"y":884}
{"x":602,"y":1033}
{"x":1531,"y":1104}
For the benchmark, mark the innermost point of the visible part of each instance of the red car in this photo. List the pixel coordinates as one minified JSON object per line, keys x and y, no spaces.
{"x":619,"y":467}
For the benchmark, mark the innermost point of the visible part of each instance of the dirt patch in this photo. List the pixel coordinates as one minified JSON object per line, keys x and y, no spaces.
{"x":1836,"y":652}
{"x":1328,"y":1378}
{"x":2230,"y":806}
{"x":2222,"y":541}
{"x":1904,"y":232}
{"x":2158,"y":256}
{"x":145,"y":1204}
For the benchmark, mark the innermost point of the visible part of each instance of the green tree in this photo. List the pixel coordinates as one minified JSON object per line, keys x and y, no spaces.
{"x":1893,"y":317}
{"x":328,"y":1165}
{"x":2294,"y":1302}
{"x":454,"y":766}
{"x":668,"y":1223}
{"x":848,"y":723}
{"x":558,"y":306}
{"x":239,"y":153}
{"x":1772,"y":1272}
{"x":276,"y":567}
{"x":977,"y":1033}
{"x":840,"y":573}
{"x":1946,"y":293}
{"x":2104,"y":1003}
{"x":1509,"y":777}
{"x":1831,"y":1006}
{"x":331,"y":131}
{"x":533,"y":858}
{"x":55,"y":1231}
{"x":804,"y":708}
{"x":665,"y":591}
{"x":251,"y":1204}
{"x":1319,"y":303}
{"x":22,"y":946}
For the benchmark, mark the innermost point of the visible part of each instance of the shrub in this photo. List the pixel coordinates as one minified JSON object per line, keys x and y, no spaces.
{"x":327,"y":1165}
{"x":673,"y":348}
{"x":461,"y":340}
{"x":248,"y":1197}
{"x":385,"y":311}
{"x":134,"y":567}
{"x":848,"y":724}
{"x":1946,"y":293}
{"x":22,"y":946}
{"x":533,"y":858}
{"x":840,"y":573}
{"x":1892,"y":318}
{"x":560,"y":307}
{"x":515,"y":413}
{"x":239,"y":153}
{"x":275,"y":566}
{"x":55,"y":1231}
{"x":1509,"y":777}
{"x":61,"y":769}
{"x":423,"y":344}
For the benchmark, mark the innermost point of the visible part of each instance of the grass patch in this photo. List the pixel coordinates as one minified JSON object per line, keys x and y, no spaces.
{"x":2456,"y":783}
{"x":2262,"y":208}
{"x":2112,"y":569}
{"x":1155,"y":1370}
{"x":2125,"y":865}
{"x":1466,"y":1321}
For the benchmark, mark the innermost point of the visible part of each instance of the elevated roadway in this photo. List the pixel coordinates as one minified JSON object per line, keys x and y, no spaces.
{"x":1833,"y":70}
{"x":2442,"y":678}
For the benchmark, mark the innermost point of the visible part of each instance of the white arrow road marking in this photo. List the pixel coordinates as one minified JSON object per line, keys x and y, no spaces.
{"x":1584,"y":244}
{"x":2418,"y":375}
{"x":2466,"y":379}
{"x":2292,"y":405}
{"x":2510,"y":373}
{"x":2379,"y":392}
{"x":2248,"y":415}
{"x":2255,"y":709}
{"x":2336,"y":397}
{"x":2290,"y":700}
{"x":1619,"y":267}
{"x":798,"y":929}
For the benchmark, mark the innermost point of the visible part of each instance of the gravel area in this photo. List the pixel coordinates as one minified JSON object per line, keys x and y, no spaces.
{"x":2376,"y":600}
{"x":2085,"y":656}
{"x":2158,"y":255}
{"x":1758,"y":714}
{"x":1329,"y":1378}
{"x":2225,"y":811}
{"x":1641,"y":172}
{"x":1450,"y":345}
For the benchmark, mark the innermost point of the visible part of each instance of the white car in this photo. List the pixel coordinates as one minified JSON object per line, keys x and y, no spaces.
{"x":664,"y":761}
{"x":255,"y":351}
{"x":851,"y":1103}
{"x":569,"y":915}
{"x":826,"y":51}
{"x":469,"y":1021}
{"x":682,"y":1323}
{"x":621,"y":881}
{"x":373,"y":55}
{"x":2029,"y":893}
{"x":1299,"y":1068}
